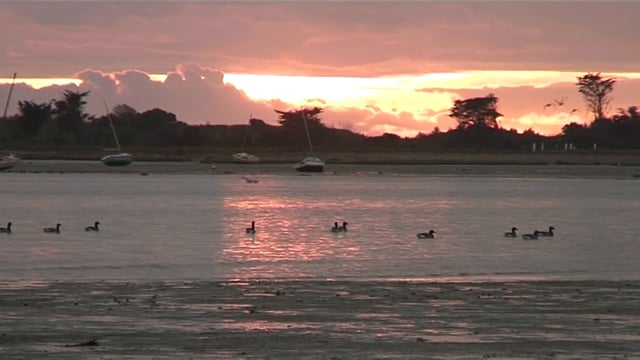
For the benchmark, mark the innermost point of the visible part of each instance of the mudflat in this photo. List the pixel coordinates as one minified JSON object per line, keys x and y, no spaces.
{"x":320,"y":319}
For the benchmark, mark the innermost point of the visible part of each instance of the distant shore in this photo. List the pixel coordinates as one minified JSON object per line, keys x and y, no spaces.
{"x":574,"y":164}
{"x":374,"y":156}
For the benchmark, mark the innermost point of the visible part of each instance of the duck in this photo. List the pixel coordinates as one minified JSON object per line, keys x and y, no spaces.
{"x":6,"y":230}
{"x":546,"y":233}
{"x":252,"y":229}
{"x":533,"y":236}
{"x":511,"y":233}
{"x":339,"y":228}
{"x":53,"y":230}
{"x":93,"y":228}
{"x":426,"y":235}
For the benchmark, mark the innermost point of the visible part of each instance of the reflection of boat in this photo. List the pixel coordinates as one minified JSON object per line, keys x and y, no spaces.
{"x":120,"y":158}
{"x":8,"y":161}
{"x":243,"y":157}
{"x":310,"y":163}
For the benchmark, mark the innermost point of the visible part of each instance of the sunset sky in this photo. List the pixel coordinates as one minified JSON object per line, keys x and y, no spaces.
{"x":374,"y":67}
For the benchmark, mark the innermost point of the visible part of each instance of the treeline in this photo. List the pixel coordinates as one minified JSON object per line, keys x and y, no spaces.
{"x":64,"y":123}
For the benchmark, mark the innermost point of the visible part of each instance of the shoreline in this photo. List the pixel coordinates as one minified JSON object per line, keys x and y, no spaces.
{"x":577,"y":171}
{"x":373,"y":157}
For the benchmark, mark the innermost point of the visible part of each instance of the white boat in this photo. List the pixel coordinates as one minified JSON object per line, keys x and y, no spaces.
{"x":243,"y":157}
{"x":8,"y":161}
{"x":120,"y":158}
{"x":311,"y":163}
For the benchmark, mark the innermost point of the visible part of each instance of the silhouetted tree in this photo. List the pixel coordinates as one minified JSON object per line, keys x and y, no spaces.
{"x":32,"y":115}
{"x":596,"y":92}
{"x":69,"y":112}
{"x":293,"y":119}
{"x":478,"y":111}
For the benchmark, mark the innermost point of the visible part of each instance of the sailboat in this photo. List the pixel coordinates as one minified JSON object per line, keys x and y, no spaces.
{"x":243,"y":157}
{"x":120,"y":158}
{"x":10,"y":160}
{"x":311,"y":163}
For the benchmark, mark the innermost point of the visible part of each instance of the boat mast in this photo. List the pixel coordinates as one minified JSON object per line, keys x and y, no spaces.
{"x":246,"y":133}
{"x":115,"y":136}
{"x":6,"y":105}
{"x":306,"y":128}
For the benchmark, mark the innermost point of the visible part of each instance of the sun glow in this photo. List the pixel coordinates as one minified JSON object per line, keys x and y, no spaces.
{"x":402,"y":104}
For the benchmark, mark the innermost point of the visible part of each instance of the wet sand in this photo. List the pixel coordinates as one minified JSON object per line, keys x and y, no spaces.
{"x":320,"y":320}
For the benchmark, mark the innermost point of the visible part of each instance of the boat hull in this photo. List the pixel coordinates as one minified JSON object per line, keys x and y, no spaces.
{"x":245,"y":158}
{"x":122,"y":159}
{"x":310,"y":164}
{"x":9,"y":161}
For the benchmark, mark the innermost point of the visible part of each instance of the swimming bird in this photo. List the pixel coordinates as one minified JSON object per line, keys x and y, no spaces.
{"x":533,"y":236}
{"x":426,"y":235}
{"x":336,"y":227}
{"x":6,"y":230}
{"x":546,"y":233}
{"x":252,"y":229}
{"x":344,"y":226}
{"x":94,"y":227}
{"x":511,"y":233}
{"x":53,"y":230}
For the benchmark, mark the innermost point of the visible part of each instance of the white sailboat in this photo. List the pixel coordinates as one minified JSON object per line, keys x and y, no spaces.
{"x":120,"y":158}
{"x":10,"y":160}
{"x":243,"y":157}
{"x":311,"y":163}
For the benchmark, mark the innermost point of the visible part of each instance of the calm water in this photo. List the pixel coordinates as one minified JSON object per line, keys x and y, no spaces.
{"x":193,"y":227}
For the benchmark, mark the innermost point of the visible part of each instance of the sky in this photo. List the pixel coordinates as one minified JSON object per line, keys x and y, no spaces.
{"x":374,"y":67}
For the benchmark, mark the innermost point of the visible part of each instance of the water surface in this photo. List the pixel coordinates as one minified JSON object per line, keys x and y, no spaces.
{"x":192,"y":226}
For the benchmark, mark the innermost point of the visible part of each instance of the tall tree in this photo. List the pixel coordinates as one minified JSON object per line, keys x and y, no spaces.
{"x":478,"y":111}
{"x":293,"y":119}
{"x":596,"y":92}
{"x":70,"y":113}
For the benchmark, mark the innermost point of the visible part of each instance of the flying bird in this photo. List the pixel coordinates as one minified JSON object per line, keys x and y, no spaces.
{"x":561,"y":101}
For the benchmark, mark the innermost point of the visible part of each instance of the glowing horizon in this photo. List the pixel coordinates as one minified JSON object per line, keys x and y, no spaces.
{"x":423,"y":97}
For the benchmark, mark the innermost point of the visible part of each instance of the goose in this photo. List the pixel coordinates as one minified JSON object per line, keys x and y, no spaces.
{"x":511,"y":233}
{"x":530,"y":236}
{"x":546,"y":233}
{"x":336,"y":227}
{"x":252,"y":229}
{"x":426,"y":235}
{"x":93,"y":228}
{"x":344,"y":226}
{"x":53,"y":230}
{"x":6,"y":230}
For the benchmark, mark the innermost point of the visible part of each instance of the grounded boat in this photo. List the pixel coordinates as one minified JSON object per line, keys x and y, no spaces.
{"x":121,"y":158}
{"x":8,"y":161}
{"x":244,"y":158}
{"x":311,"y":163}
